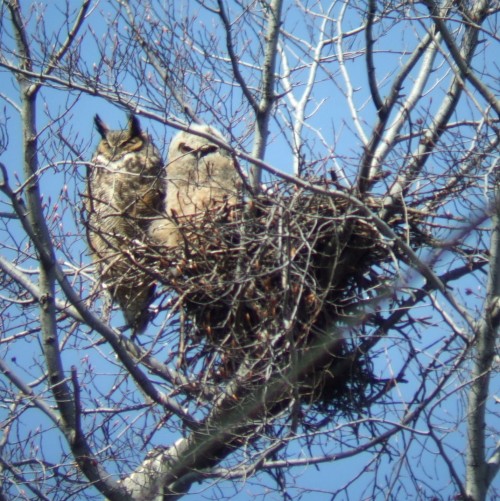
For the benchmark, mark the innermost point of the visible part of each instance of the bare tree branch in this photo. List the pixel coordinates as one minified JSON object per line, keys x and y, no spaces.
{"x":477,"y":16}
{"x":267,"y":99}
{"x":479,"y":473}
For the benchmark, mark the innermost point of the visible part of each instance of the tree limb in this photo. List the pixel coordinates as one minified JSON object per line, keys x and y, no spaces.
{"x":479,"y":474}
{"x":480,"y":11}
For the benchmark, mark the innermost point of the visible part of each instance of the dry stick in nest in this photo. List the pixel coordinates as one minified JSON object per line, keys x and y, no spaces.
{"x":245,"y":314}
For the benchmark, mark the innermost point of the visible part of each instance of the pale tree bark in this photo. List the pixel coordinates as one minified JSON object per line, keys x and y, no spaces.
{"x":481,"y":470}
{"x":263,"y":102}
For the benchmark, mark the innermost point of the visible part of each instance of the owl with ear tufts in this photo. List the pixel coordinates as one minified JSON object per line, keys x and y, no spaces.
{"x":125,"y":192}
{"x":200,"y":176}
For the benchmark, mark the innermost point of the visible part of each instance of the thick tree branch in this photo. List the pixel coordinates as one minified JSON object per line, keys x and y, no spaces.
{"x":479,"y":473}
{"x":478,"y":14}
{"x":384,"y":136}
{"x":432,"y":134}
{"x":230,"y":46}
{"x":372,"y":77}
{"x":266,"y":102}
{"x":299,"y":105}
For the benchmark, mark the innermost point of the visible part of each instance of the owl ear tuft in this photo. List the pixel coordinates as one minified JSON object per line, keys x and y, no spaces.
{"x":134,"y":126}
{"x":100,"y":126}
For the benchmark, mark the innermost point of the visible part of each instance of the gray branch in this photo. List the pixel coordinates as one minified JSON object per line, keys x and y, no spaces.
{"x":480,"y":472}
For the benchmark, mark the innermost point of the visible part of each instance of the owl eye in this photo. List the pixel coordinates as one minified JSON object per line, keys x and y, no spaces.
{"x":104,"y":146}
{"x":207,"y":149}
{"x":132,"y":143}
{"x":184,"y":148}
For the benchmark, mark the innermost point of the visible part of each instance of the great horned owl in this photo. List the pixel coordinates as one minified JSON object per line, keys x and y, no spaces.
{"x":125,"y":191}
{"x":200,"y":176}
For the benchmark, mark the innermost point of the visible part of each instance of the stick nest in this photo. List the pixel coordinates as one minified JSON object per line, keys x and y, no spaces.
{"x":274,"y":288}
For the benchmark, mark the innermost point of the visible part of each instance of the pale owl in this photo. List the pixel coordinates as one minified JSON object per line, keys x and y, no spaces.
{"x":201,"y":176}
{"x":125,"y":191}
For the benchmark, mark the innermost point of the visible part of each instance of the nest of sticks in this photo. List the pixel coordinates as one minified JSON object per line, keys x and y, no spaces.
{"x":274,"y":286}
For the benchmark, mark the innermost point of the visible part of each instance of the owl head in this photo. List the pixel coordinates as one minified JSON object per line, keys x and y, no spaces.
{"x":187,"y":144}
{"x":115,"y":144}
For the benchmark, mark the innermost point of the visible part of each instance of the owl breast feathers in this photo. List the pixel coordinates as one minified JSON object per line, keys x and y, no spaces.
{"x":201,"y":176}
{"x":125,"y":191}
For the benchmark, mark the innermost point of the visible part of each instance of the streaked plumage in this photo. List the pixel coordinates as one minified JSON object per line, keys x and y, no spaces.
{"x":125,"y":191}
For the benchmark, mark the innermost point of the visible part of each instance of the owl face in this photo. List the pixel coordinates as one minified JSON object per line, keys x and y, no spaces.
{"x":115,"y":144}
{"x":127,"y":156}
{"x":201,"y":175}
{"x":193,"y":147}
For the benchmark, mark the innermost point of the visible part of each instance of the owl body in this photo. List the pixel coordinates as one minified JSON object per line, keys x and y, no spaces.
{"x":200,"y":176}
{"x":125,"y":191}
